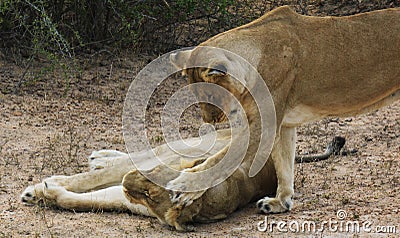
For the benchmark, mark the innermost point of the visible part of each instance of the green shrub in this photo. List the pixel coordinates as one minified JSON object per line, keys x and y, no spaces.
{"x":56,"y":30}
{"x":64,"y":26}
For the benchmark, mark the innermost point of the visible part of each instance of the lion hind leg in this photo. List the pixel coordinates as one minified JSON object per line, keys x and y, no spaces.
{"x":283,"y":156}
{"x":107,"y":169}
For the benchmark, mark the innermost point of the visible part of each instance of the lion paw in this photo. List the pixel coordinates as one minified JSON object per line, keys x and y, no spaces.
{"x":273,"y":205}
{"x":180,"y":198}
{"x":184,"y":199}
{"x":33,"y":194}
{"x":43,"y":193}
{"x":53,"y":191}
{"x":104,"y":158}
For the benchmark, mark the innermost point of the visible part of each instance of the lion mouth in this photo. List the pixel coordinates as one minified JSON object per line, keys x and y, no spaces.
{"x":233,"y":111}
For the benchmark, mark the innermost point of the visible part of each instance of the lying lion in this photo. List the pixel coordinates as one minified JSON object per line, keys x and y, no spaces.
{"x":314,"y":67}
{"x":101,"y":189}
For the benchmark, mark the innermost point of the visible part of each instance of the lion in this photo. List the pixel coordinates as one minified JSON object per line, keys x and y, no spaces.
{"x":113,"y":184}
{"x":101,"y":187}
{"x":314,"y":67}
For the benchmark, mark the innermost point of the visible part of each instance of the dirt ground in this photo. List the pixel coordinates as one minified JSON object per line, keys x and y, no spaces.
{"x":51,"y":127}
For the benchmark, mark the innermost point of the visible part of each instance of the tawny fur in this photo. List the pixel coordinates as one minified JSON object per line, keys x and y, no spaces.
{"x":314,"y":67}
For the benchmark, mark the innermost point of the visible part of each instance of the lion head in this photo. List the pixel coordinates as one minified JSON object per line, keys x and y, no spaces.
{"x":218,"y":105}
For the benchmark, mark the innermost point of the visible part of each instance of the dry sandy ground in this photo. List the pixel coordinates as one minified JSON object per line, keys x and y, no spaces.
{"x":44,"y":131}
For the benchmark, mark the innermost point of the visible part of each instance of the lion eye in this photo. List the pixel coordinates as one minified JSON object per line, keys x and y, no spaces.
{"x":219,"y":70}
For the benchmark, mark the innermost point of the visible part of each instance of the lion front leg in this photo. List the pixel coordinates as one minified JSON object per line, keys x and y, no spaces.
{"x":114,"y":165}
{"x":186,"y":180}
{"x":34,"y":194}
{"x":283,"y":156}
{"x":108,"y":199}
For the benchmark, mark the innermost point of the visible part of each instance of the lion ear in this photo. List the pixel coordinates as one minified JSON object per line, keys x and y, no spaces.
{"x":180,"y":58}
